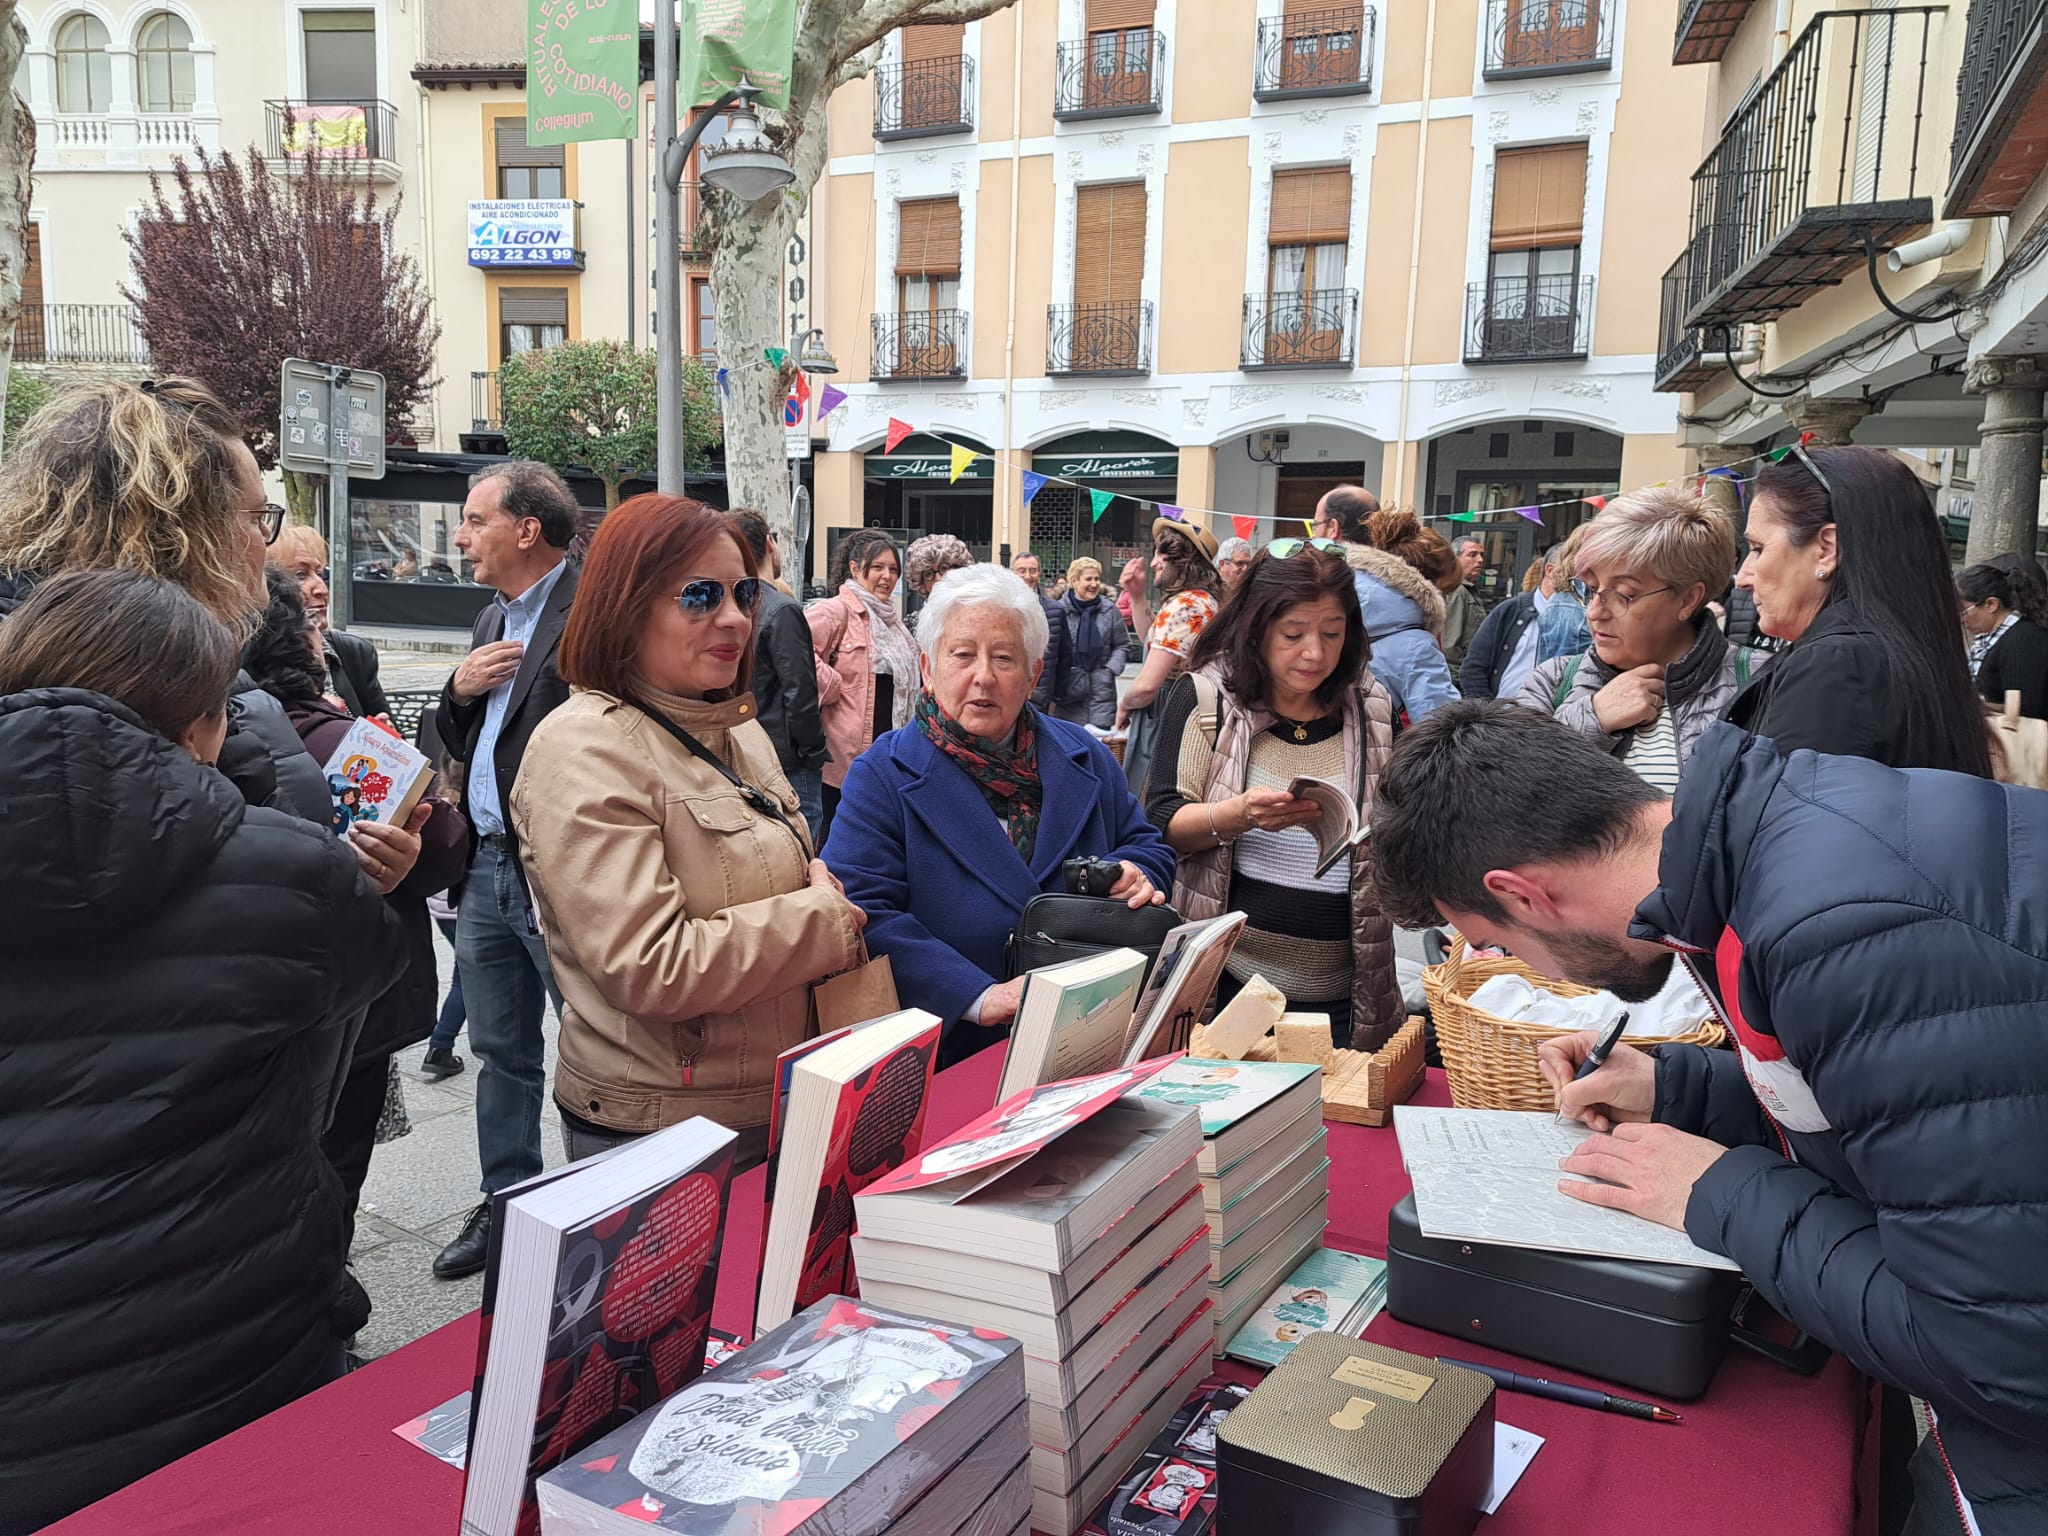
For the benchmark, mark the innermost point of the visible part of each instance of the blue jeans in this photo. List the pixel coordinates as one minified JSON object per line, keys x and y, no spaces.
{"x":506,"y":986}
{"x":449,"y":1024}
{"x":809,"y":784}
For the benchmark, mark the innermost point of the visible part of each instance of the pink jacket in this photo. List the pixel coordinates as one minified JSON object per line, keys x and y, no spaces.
{"x":842,"y":636}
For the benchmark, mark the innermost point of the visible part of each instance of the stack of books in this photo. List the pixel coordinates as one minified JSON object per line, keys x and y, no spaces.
{"x":849,"y":1417}
{"x":1092,"y":1252}
{"x":1265,"y":1177}
{"x":1328,"y":1292}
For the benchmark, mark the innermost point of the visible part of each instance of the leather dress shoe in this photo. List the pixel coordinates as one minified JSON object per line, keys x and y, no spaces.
{"x":465,"y":1255}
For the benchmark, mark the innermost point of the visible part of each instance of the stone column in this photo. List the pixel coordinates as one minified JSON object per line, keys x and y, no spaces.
{"x":2006,"y":510}
{"x":1723,"y":492}
{"x":1830,"y":421}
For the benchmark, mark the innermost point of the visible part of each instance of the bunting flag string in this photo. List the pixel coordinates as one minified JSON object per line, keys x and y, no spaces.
{"x":775,"y":355}
{"x":1597,"y":503}
{"x":1100,"y":501}
{"x":1033,"y":484}
{"x":1246,"y":528}
{"x":830,"y":398}
{"x":1171,"y":513}
{"x":898,"y":430}
{"x":962,"y":457}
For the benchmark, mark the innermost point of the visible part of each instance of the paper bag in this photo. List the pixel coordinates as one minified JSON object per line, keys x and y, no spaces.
{"x":853,"y":997}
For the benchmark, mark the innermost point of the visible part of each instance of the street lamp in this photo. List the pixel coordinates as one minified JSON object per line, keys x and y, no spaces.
{"x":747,"y":166}
{"x":813,"y":356}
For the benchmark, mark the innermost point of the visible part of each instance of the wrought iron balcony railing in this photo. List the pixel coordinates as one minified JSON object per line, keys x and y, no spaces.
{"x":1317,"y":329}
{"x":919,"y":344}
{"x":485,"y":414}
{"x":923,"y":97}
{"x":334,"y":130}
{"x":80,"y":333}
{"x":1110,"y":74}
{"x":1994,"y":159}
{"x":1113,"y":337}
{"x":1548,"y":37}
{"x":1528,"y":320}
{"x":1828,"y":151}
{"x":1315,"y":53}
{"x":1680,"y":347}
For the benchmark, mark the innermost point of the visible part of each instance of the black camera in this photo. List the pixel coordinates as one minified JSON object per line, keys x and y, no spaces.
{"x":1087,"y":876}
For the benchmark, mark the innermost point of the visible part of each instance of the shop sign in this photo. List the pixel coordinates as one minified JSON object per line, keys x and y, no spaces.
{"x":1108,"y":466}
{"x":524,"y":232}
{"x":921,"y":466}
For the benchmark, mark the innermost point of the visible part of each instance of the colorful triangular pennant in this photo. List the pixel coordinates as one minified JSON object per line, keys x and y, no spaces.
{"x":775,"y":355}
{"x":1779,"y":455}
{"x":1534,"y":514}
{"x":802,"y":390}
{"x":1308,"y":527}
{"x":962,"y":457}
{"x":1033,"y":484}
{"x":1171,"y":513}
{"x":725,"y":381}
{"x":1597,"y":503}
{"x":1245,"y":527}
{"x":1100,"y":501}
{"x":898,"y":430}
{"x":830,"y":398}
{"x":1467,"y":517}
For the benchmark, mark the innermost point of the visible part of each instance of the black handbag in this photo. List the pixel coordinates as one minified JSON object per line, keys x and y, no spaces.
{"x":1058,"y":927}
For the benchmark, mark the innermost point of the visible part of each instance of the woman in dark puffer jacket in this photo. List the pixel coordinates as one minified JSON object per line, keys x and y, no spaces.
{"x":182,"y":974}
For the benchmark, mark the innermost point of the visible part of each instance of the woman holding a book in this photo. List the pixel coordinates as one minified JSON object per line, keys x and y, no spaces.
{"x":672,"y":871}
{"x":1278,"y":691}
{"x":951,"y":824}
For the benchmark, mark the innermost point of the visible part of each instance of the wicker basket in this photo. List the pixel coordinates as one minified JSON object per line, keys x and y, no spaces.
{"x":1491,"y":1061}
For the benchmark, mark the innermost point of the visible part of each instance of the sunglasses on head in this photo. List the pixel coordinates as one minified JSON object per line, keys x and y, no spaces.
{"x":701,"y":599}
{"x":1800,"y":453}
{"x":1280,"y":549}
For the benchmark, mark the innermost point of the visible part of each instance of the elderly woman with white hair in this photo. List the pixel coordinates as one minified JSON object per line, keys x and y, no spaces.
{"x":1659,"y":671}
{"x":950,"y":824}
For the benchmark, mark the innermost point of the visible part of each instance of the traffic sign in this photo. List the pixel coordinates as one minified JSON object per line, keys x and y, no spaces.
{"x":330,"y":418}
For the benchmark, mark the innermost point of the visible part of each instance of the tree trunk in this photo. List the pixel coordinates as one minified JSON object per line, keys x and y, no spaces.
{"x":611,"y":493}
{"x":746,"y":275}
{"x":17,"y":156}
{"x":302,"y":496}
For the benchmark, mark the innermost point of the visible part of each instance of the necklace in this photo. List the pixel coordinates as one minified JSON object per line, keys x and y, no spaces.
{"x":1300,"y":727}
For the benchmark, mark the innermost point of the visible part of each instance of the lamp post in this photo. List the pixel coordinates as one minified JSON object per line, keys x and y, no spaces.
{"x":813,"y":356}
{"x":745,"y":165}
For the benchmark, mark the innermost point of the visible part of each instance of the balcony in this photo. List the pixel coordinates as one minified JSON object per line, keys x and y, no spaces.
{"x":1706,"y":28}
{"x":1315,"y":53}
{"x":1548,"y":37}
{"x":924,"y":97}
{"x":2001,"y":142}
{"x":1826,"y":154}
{"x":1101,"y":339}
{"x":922,"y":344}
{"x":1528,"y":320}
{"x":1679,"y":347}
{"x":1112,"y":74}
{"x":486,"y":432}
{"x":103,"y":334}
{"x":1317,"y":329}
{"x":341,"y":135}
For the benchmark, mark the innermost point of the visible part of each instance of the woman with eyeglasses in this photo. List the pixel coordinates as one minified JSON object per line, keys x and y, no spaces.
{"x":685,"y":912}
{"x":1278,"y":689}
{"x":1659,"y":670}
{"x":155,"y":477}
{"x":1849,"y":567}
{"x":2007,"y":623}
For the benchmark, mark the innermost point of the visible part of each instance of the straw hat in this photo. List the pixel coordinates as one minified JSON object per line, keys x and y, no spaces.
{"x":1194,"y":533}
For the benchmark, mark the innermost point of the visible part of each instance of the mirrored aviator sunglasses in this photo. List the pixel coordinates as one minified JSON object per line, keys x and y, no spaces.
{"x":1280,"y":549}
{"x":701,"y":599}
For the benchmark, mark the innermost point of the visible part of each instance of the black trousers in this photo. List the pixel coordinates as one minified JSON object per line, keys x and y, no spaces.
{"x":353,"y":1134}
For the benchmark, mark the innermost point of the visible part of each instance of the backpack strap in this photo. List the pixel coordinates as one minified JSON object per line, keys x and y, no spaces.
{"x":1565,"y":680}
{"x":1742,"y":666}
{"x":1208,"y":716}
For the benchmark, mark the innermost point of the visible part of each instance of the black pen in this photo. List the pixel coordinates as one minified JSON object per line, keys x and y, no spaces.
{"x":1597,"y":1057}
{"x":1557,"y":1391}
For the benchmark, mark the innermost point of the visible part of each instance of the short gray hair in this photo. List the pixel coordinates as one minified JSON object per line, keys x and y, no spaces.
{"x":1671,"y":535}
{"x":1468,"y":541}
{"x":1230,"y":549}
{"x":979,"y":586}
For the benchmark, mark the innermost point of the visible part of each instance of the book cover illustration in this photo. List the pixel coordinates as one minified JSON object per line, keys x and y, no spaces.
{"x":373,"y":775}
{"x":1324,"y":1292}
{"x":879,"y":1123}
{"x":789,"y":1424}
{"x":1226,"y":1091}
{"x":1015,"y":1129}
{"x":1182,"y":982}
{"x":1172,"y":1489}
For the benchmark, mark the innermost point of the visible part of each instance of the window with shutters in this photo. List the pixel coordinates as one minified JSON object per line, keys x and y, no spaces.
{"x":924,"y":338}
{"x":527,"y":170}
{"x":1315,"y":48}
{"x":1307,"y":310}
{"x":1107,"y":329}
{"x":1533,"y":300}
{"x":532,"y":318}
{"x":1534,"y":37}
{"x":1114,"y":67}
{"x":926,"y":90}
{"x":703,"y":338}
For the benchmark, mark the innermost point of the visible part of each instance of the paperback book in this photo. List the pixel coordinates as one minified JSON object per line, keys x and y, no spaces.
{"x":374,"y":775}
{"x":1172,"y":1489}
{"x":1241,"y":1102}
{"x":1074,"y":1020}
{"x":1327,"y":1292}
{"x":1337,"y":831}
{"x":1183,"y":980}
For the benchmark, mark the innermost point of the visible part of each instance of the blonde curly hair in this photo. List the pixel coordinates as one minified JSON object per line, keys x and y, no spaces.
{"x":112,"y":475}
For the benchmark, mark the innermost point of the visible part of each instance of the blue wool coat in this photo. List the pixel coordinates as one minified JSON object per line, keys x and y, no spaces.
{"x":920,"y":851}
{"x":1877,"y":942}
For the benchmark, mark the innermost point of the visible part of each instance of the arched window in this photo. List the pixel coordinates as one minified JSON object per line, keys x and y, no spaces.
{"x":163,"y":63}
{"x":85,"y":74}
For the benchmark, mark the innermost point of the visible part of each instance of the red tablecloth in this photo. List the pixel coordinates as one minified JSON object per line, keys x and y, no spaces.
{"x":1764,"y":1449}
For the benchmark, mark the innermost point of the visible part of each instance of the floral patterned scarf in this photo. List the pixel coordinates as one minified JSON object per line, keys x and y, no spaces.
{"x":1007,"y":776}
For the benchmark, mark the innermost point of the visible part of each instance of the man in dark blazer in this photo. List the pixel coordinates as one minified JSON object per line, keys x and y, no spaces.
{"x":516,"y":528}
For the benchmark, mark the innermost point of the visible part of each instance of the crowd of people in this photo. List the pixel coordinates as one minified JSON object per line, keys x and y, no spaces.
{"x":675,"y":799}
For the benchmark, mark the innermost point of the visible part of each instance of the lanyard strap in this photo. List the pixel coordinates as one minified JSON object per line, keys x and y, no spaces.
{"x":759,"y":799}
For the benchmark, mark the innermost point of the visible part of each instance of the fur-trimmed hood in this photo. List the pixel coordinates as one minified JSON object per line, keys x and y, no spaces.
{"x":1393,"y":593}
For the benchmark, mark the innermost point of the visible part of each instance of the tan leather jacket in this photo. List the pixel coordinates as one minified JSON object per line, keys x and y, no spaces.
{"x":682,"y":931}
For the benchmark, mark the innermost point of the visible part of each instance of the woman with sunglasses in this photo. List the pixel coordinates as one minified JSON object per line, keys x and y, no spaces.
{"x":1278,"y":690}
{"x":1659,"y":670}
{"x":685,"y":913}
{"x":1848,"y":567}
{"x":155,"y":477}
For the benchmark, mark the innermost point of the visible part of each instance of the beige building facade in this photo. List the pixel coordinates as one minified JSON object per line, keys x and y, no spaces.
{"x":1225,"y":259}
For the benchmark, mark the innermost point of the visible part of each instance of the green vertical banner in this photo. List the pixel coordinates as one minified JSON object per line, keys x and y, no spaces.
{"x":582,"y":70}
{"x":727,"y":40}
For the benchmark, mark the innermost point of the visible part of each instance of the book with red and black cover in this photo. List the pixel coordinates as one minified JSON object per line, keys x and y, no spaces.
{"x":1172,"y":1489}
{"x":842,"y":1419}
{"x":855,"y":1111}
{"x":599,"y":1291}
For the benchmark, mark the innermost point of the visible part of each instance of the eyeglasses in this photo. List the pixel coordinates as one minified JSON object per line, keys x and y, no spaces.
{"x":270,"y":518}
{"x":1812,"y":468}
{"x":701,"y":599}
{"x":1280,"y":549}
{"x":1623,"y":600}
